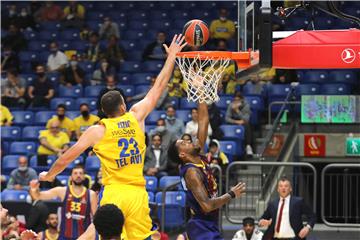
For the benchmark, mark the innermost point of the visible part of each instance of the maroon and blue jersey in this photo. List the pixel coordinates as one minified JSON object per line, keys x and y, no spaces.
{"x":75,"y":214}
{"x":202,"y":225}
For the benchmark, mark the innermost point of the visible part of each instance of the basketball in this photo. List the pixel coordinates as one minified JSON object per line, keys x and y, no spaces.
{"x":196,"y":32}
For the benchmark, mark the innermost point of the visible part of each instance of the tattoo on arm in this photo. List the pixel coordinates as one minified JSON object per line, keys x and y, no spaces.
{"x":194,"y":183}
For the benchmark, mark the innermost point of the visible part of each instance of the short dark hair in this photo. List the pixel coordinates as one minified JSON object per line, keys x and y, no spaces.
{"x":13,"y":71}
{"x":170,"y":106}
{"x":156,"y":135}
{"x":173,"y":153}
{"x":187,"y":134}
{"x":61,"y":106}
{"x":284,"y":179}
{"x":84,"y":104}
{"x":94,"y":34}
{"x":108,"y":221}
{"x":110,"y":102}
{"x":192,"y":109}
{"x":78,"y":166}
{"x":213,"y":144}
{"x":248,"y":220}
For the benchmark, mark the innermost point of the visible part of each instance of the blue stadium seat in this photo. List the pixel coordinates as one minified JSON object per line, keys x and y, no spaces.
{"x":134,"y":34}
{"x":161,"y":25}
{"x":152,"y":66}
{"x":54,"y":77}
{"x":14,"y":195}
{"x":78,"y":160}
{"x":149,"y":128}
{"x":129,"y":90}
{"x":31,"y":133}
{"x":65,"y":45}
{"x":72,"y":114}
{"x":94,"y":25}
{"x":184,"y":115}
{"x":224,"y":102}
{"x":27,"y":148}
{"x":92,"y":164}
{"x":230,"y":148}
{"x":9,"y":163}
{"x":174,"y":101}
{"x":5,"y":147}
{"x":169,"y":180}
{"x":142,"y":88}
{"x":30,"y":77}
{"x":159,"y":15}
{"x":151,"y":198}
{"x":185,"y":104}
{"x":47,"y":36}
{"x":138,"y":25}
{"x":124,"y":78}
{"x":343,"y":76}
{"x":10,"y":133}
{"x":141,"y":78}
{"x":29,"y":35}
{"x":79,"y":46}
{"x":74,"y":91}
{"x":69,"y":35}
{"x":233,"y":132}
{"x":64,"y":179}
{"x":135,"y":55}
{"x":335,"y":89}
{"x":94,"y":16}
{"x":69,"y":103}
{"x":256,"y":103}
{"x":34,"y":163}
{"x":151,"y":183}
{"x":315,"y":76}
{"x":42,"y":117}
{"x":307,"y":89}
{"x":92,"y":91}
{"x":87,"y":66}
{"x":154,"y":116}
{"x":50,"y":26}
{"x":43,"y":56}
{"x":249,"y":89}
{"x":89,"y":101}
{"x":278,"y":90}
{"x":174,"y":208}
{"x":28,"y":56}
{"x":131,"y":67}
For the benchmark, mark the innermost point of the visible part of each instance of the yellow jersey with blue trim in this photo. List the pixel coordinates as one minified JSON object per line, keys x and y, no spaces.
{"x":122,"y":151}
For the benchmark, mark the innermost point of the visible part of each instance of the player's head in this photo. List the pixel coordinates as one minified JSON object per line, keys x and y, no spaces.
{"x":112,"y":103}
{"x":109,"y":221}
{"x":186,"y":137}
{"x":52,"y":220}
{"x":249,"y":225}
{"x":183,"y":151}
{"x":284,"y":187}
{"x":78,"y":175}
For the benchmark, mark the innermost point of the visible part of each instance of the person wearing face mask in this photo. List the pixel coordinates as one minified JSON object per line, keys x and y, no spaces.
{"x":238,"y":112}
{"x":166,"y":136}
{"x":100,"y":75}
{"x":10,"y":17}
{"x":85,"y":120}
{"x":94,"y":49}
{"x":222,"y":28}
{"x":108,"y":29}
{"x":13,"y":90}
{"x":155,"y":50}
{"x":14,"y":39}
{"x":114,"y":52}
{"x":51,"y":12}
{"x":57,"y":60}
{"x":73,"y":74}
{"x":155,"y":158}
{"x":21,"y":176}
{"x":25,"y":20}
{"x":173,"y":124}
{"x":66,"y":124}
{"x":41,"y":91}
{"x":74,"y":15}
{"x":9,"y":60}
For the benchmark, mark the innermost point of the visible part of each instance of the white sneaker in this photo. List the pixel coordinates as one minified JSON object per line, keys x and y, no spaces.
{"x":249,"y":150}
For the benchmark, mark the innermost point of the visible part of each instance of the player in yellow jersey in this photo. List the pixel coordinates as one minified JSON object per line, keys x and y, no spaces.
{"x":119,"y":142}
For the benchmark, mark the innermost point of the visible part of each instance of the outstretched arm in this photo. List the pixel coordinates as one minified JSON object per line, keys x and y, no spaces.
{"x":194,"y":183}
{"x":91,"y":136}
{"x":143,"y":108}
{"x":203,"y":124}
{"x":57,"y":192}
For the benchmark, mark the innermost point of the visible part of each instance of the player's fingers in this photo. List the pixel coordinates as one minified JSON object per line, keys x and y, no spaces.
{"x":178,"y":39}
{"x":166,"y":48}
{"x":182,"y":46}
{"x":174,"y":39}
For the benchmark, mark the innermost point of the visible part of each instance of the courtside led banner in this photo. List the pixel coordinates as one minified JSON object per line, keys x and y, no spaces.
{"x":314,"y":145}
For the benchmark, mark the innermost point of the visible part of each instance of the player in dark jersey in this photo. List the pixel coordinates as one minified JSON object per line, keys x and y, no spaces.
{"x":199,"y":183}
{"x":79,"y":203}
{"x":51,"y":233}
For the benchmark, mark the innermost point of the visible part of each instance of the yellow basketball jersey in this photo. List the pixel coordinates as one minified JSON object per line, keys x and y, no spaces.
{"x":122,"y":151}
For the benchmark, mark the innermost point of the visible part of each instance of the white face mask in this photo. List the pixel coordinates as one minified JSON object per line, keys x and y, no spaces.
{"x":160,"y":129}
{"x":223,"y":19}
{"x":22,"y":169}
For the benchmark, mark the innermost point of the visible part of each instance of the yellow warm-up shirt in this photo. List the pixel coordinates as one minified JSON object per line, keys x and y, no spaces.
{"x":222,"y":30}
{"x":5,"y":115}
{"x":57,"y":141}
{"x":82,"y":124}
{"x":122,"y":151}
{"x":65,"y":125}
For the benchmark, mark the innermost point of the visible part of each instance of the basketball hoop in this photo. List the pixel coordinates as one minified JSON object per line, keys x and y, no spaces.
{"x":202,"y":71}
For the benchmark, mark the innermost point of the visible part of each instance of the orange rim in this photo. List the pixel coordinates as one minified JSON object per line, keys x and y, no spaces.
{"x":205,"y":55}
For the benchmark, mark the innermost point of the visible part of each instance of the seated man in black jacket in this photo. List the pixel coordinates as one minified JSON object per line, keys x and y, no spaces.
{"x":156,"y":50}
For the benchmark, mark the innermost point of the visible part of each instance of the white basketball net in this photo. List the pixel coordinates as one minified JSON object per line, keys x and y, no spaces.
{"x":202,"y":77}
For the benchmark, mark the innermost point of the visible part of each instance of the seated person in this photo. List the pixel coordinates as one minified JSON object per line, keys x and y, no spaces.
{"x":21,"y":176}
{"x":100,"y":75}
{"x":192,"y":126}
{"x":52,"y":142}
{"x":155,"y":158}
{"x":156,"y":50}
{"x":66,"y":124}
{"x":13,"y":90}
{"x":57,"y":60}
{"x":85,"y":120}
{"x":249,"y":232}
{"x":74,"y":15}
{"x":215,"y":155}
{"x":73,"y":74}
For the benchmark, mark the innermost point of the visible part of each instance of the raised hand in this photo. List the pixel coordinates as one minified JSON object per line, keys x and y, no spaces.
{"x":239,"y":189}
{"x":34,"y":184}
{"x":28,"y":235}
{"x":176,"y":45}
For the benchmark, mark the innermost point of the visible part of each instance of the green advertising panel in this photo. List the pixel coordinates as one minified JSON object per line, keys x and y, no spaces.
{"x":353,"y":146}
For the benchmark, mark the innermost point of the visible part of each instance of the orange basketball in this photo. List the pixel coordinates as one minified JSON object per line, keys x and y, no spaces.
{"x":196,"y":32}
